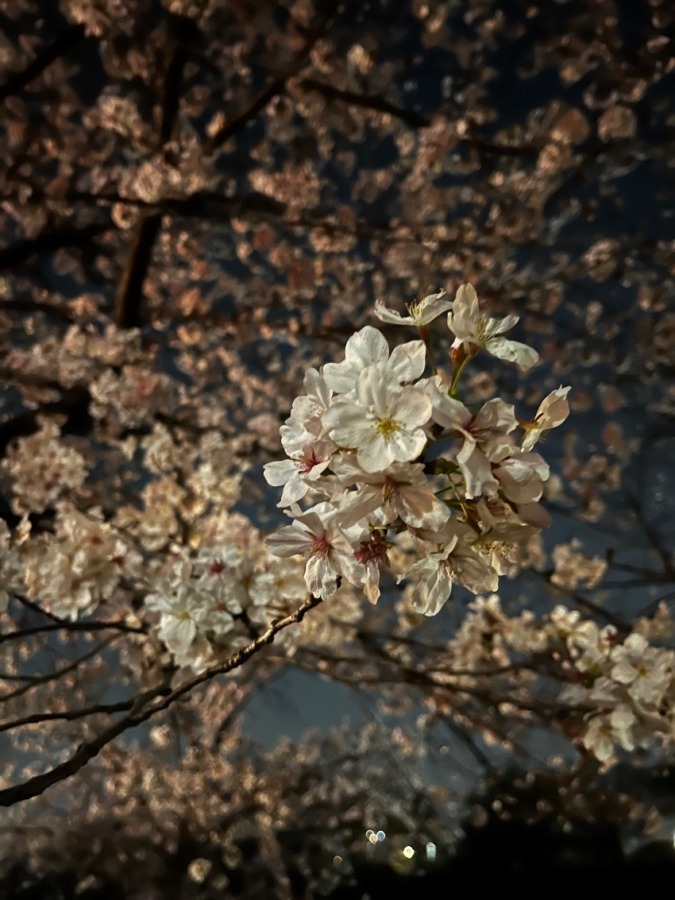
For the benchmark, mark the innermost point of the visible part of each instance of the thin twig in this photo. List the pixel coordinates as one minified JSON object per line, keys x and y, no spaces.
{"x":141,"y":713}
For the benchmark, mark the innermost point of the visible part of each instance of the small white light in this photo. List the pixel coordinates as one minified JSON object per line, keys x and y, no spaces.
{"x":408,"y":852}
{"x":372,"y":837}
{"x":369,"y":832}
{"x":337,"y":860}
{"x":381,"y":835}
{"x":431,"y":850}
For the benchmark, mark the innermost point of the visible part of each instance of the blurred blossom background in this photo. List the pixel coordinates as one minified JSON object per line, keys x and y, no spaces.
{"x":200,"y":200}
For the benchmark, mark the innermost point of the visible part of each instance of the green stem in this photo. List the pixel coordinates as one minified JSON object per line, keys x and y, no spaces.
{"x":452,"y":392}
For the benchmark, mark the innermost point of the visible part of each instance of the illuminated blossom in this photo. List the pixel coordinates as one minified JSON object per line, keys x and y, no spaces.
{"x":475,"y":329}
{"x":453,"y":560}
{"x":299,"y":472}
{"x":420,"y":312}
{"x":484,"y":436}
{"x":328,"y":551}
{"x":383,"y":422}
{"x":553,"y":410}
{"x":400,"y":491}
{"x":368,"y":347}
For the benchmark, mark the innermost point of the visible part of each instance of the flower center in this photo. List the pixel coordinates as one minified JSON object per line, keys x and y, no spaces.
{"x":387,"y":427}
{"x":414,"y":308}
{"x":307,"y":464}
{"x":320,"y":546}
{"x":374,"y":550}
{"x":481,"y":328}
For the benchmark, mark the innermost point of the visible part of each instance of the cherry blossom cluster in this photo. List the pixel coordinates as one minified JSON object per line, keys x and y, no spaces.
{"x":617,"y":689}
{"x":211,"y":602}
{"x":628,"y":685}
{"x":42,"y":468}
{"x":380,"y":445}
{"x":191,"y":578}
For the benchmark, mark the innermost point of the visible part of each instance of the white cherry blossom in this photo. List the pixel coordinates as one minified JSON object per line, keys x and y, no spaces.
{"x":453,"y":560}
{"x":383,"y":422}
{"x":298,"y":473}
{"x":400,"y":491}
{"x":185,"y":611}
{"x":420,"y":312}
{"x":369,"y":347}
{"x":326,"y":547}
{"x":476,"y":329}
{"x":521,"y":476}
{"x":553,"y":410}
{"x":484,"y":435}
{"x":304,"y":423}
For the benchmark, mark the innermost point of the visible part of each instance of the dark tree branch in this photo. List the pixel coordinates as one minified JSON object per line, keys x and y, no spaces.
{"x":275,"y":87}
{"x":367,"y":101}
{"x":69,"y":626}
{"x":48,"y":242}
{"x":410,"y":117}
{"x":69,"y":715}
{"x":74,"y":403}
{"x":130,"y":293}
{"x":141,"y":712}
{"x":129,"y":300}
{"x":17,"y":81}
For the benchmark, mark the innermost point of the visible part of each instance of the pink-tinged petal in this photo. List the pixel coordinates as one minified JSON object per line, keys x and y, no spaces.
{"x":499,"y":326}
{"x":278,"y":473}
{"x":451,"y":414}
{"x":320,"y":577}
{"x":554,"y":409}
{"x":420,"y":508}
{"x":429,"y":308}
{"x":385,"y":314}
{"x":366,"y":348}
{"x":296,"y":488}
{"x":477,"y":472}
{"x":289,"y":540}
{"x":475,"y":574}
{"x":463,"y":319}
{"x":534,"y":514}
{"x":521,"y":479}
{"x":358,"y":505}
{"x":432,"y":591}
{"x":512,"y":351}
{"x":407,"y":361}
{"x":412,"y":408}
{"x":496,"y":415}
{"x":349,"y":567}
{"x":467,"y":448}
{"x":405,"y":446}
